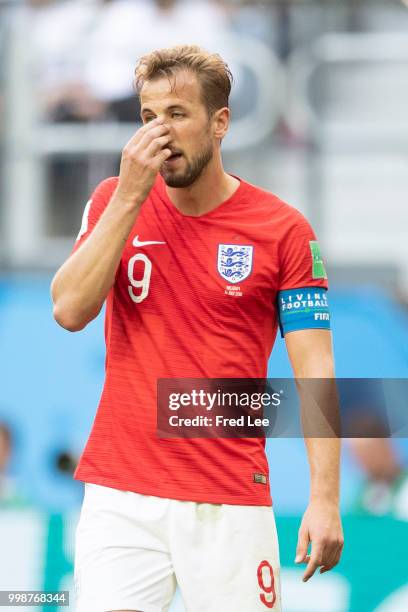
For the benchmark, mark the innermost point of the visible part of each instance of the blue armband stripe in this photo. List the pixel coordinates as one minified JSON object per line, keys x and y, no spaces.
{"x":303,"y":308}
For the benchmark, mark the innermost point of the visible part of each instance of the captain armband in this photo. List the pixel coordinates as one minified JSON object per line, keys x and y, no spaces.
{"x":303,"y":308}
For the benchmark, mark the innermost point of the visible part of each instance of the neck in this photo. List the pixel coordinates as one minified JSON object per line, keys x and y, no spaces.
{"x":213,"y":187}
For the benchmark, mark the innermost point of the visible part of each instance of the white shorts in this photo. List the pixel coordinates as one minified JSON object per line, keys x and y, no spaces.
{"x":132,"y":550}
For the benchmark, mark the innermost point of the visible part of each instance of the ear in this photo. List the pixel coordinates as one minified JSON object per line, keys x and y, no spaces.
{"x":220,"y":122}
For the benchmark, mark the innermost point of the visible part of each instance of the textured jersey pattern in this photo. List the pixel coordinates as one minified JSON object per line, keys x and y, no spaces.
{"x":203,"y":304}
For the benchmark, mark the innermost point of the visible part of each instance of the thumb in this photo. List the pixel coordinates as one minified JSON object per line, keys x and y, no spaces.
{"x":302,"y":545}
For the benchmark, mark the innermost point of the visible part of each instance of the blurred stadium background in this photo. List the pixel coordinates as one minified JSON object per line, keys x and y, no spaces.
{"x":320,"y":118}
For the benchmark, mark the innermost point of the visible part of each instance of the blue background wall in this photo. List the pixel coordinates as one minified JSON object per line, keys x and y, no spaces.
{"x":51,"y":381}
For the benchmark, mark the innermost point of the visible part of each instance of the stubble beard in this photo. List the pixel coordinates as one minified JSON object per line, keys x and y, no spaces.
{"x":193,"y":171}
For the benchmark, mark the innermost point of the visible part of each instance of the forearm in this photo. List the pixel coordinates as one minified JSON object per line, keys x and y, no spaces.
{"x":82,"y":284}
{"x":320,"y":416}
{"x":322,"y":444}
{"x":324,"y":462}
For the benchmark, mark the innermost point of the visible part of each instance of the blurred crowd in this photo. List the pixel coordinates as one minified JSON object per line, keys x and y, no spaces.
{"x":84,"y":51}
{"x":82,"y":54}
{"x":85,"y":70}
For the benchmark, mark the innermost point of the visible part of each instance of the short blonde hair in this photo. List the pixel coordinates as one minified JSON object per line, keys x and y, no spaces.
{"x":212,"y":72}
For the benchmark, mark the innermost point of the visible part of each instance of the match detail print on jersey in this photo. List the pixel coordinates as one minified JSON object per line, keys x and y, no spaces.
{"x":306,"y":308}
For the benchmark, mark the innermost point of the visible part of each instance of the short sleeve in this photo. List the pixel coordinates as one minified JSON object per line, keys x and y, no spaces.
{"x":94,"y":209}
{"x":300,"y":258}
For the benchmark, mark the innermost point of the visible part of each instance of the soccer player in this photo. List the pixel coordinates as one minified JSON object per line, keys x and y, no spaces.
{"x":195,"y":265}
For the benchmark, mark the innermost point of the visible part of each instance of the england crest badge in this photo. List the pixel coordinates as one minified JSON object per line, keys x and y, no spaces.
{"x":234,"y":262}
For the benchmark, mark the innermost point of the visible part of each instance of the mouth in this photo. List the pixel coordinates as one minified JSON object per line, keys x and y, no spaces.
{"x":173,"y":158}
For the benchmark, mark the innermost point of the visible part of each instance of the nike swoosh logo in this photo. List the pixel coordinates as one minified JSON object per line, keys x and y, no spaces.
{"x":138,"y":243}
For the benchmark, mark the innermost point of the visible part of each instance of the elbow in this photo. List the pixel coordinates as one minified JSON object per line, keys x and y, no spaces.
{"x":71,"y":310}
{"x":65,"y":309}
{"x":68,"y":320}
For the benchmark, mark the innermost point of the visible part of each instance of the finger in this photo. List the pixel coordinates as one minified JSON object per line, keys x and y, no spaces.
{"x":305,"y":560}
{"x":314,"y":562}
{"x":138,"y":135}
{"x":134,"y":148}
{"x":329,"y":559}
{"x":302,"y":546}
{"x":157,"y":145}
{"x":161,"y":158}
{"x":310,"y":569}
{"x":328,"y":565}
{"x":141,"y":131}
{"x":333,"y":560}
{"x":150,"y":135}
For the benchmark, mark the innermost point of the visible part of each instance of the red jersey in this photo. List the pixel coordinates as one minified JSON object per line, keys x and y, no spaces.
{"x":180,"y":307}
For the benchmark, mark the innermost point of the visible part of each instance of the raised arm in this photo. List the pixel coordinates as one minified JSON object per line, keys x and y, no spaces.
{"x":82,"y":283}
